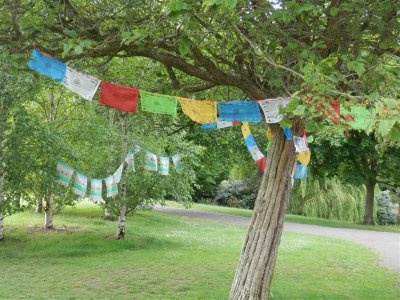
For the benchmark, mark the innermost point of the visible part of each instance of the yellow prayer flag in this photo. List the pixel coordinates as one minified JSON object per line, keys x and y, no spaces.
{"x":203,"y":112}
{"x":246,"y":129}
{"x":269,"y":133}
{"x":304,"y":158}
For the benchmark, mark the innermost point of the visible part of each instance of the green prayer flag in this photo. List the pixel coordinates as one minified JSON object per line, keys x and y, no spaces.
{"x":361,"y":115}
{"x":158,"y":104}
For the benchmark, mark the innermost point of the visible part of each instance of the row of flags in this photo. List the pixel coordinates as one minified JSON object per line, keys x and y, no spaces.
{"x":80,"y":185}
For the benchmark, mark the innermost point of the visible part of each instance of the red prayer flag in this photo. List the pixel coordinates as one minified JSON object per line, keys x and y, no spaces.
{"x":261,"y":163}
{"x":119,"y":97}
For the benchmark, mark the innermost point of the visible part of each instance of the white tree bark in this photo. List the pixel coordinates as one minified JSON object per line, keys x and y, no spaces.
{"x":259,"y":253}
{"x":48,"y":211}
{"x":2,"y":198}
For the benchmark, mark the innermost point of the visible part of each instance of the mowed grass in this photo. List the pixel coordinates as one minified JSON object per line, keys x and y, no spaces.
{"x":166,"y":257}
{"x":288,"y":218}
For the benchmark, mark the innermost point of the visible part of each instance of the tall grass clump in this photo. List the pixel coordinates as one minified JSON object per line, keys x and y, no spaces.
{"x":328,"y":199}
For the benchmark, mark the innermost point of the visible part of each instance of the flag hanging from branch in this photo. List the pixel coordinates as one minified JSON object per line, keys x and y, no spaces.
{"x":252,"y":147}
{"x":235,"y":111}
{"x":130,"y":161}
{"x":47,"y":66}
{"x":96,"y":189}
{"x":111,"y":185}
{"x":119,"y":97}
{"x":300,"y":143}
{"x":164,"y":165}
{"x":271,"y":108}
{"x":300,"y":172}
{"x":176,"y":159}
{"x":150,"y":163}
{"x":203,"y":112}
{"x":80,"y":184}
{"x":118,"y":173}
{"x":158,"y":104}
{"x":81,"y":84}
{"x":304,"y":158}
{"x":288,"y":133}
{"x":64,"y":174}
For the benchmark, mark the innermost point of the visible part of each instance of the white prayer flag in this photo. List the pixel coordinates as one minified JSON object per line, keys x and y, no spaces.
{"x":95,"y":190}
{"x":64,"y":174}
{"x":80,"y":185}
{"x":81,"y":84}
{"x":117,"y":175}
{"x":271,"y":108}
{"x":129,"y":159}
{"x":176,"y":159}
{"x":111,"y":185}
{"x":224,"y":124}
{"x":255,"y":152}
{"x":150,"y":162}
{"x":164,"y":165}
{"x":300,"y":144}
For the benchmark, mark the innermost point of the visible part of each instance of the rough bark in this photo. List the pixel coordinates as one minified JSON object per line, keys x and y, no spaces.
{"x":369,"y":202}
{"x":48,"y":211}
{"x":259,"y":253}
{"x":122,"y":198}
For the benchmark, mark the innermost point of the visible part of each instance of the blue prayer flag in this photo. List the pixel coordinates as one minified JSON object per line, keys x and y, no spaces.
{"x":288,"y":133}
{"x":47,"y":66}
{"x":235,"y":111}
{"x":300,"y":172}
{"x":249,"y":141}
{"x":208,"y":126}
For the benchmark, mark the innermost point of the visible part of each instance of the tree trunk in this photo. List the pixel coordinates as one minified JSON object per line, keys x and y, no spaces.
{"x":48,"y":211}
{"x":2,"y":198}
{"x":39,"y":206}
{"x":122,"y":198}
{"x":259,"y":253}
{"x":369,"y":202}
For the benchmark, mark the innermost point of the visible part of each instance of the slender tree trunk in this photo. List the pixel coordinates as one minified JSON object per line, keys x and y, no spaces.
{"x":1,"y":212}
{"x":259,"y":253}
{"x":39,"y":205}
{"x":369,"y":202}
{"x":48,"y":211}
{"x":122,"y":198}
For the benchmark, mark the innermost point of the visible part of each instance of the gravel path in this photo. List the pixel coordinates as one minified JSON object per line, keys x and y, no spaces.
{"x":387,"y":244}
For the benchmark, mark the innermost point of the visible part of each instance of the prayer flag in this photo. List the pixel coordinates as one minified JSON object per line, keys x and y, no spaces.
{"x":119,"y":97}
{"x":224,"y":124}
{"x":300,"y":172}
{"x":150,"y":162}
{"x":64,"y":174}
{"x":80,"y":184}
{"x":288,"y":133}
{"x":111,"y":185}
{"x":246,"y":129}
{"x":300,"y":144}
{"x":271,"y":108}
{"x":239,"y":111}
{"x":176,"y":159}
{"x":158,"y":104}
{"x":249,"y":141}
{"x":96,"y":187}
{"x":261,"y":163}
{"x":81,"y":84}
{"x":269,"y":133}
{"x":47,"y":66}
{"x":118,"y":174}
{"x":203,"y":111}
{"x":129,"y":159}
{"x":164,"y":165}
{"x":208,"y":126}
{"x":255,"y":152}
{"x":304,"y":158}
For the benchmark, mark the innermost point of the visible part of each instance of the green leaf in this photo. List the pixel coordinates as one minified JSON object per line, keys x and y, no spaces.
{"x":78,"y":49}
{"x":67,"y":48}
{"x":310,"y":126}
{"x":184,"y":45}
{"x":395,"y":134}
{"x":299,"y":111}
{"x":292,"y":105}
{"x":356,"y":66}
{"x":385,"y":126}
{"x":285,"y":123}
{"x":70,"y":33}
{"x":310,"y":139}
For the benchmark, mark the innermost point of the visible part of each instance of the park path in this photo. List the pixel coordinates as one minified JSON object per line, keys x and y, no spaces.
{"x":386,"y":244}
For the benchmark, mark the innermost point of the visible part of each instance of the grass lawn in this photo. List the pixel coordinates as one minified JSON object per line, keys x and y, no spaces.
{"x":167,"y":257}
{"x":289,"y":218}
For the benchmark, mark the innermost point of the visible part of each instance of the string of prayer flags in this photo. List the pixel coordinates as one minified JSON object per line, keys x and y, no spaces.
{"x":129,"y":159}
{"x":118,"y":173}
{"x":80,"y":184}
{"x":261,"y":163}
{"x":164,"y":165}
{"x":271,"y":109}
{"x":252,"y":147}
{"x":300,"y":143}
{"x":235,"y":111}
{"x":219,"y":125}
{"x":245,"y":129}
{"x":119,"y":97}
{"x":47,"y":66}
{"x":96,"y":187}
{"x":81,"y":84}
{"x":304,"y":158}
{"x":300,"y":172}
{"x":111,"y":186}
{"x":288,"y":133}
{"x":361,"y":115}
{"x":158,"y":104}
{"x":176,"y":159}
{"x":64,"y":174}
{"x":203,"y":112}
{"x":150,"y":163}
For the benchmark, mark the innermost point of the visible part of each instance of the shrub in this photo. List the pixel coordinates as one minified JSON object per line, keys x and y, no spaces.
{"x":385,"y":214}
{"x":237,"y":193}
